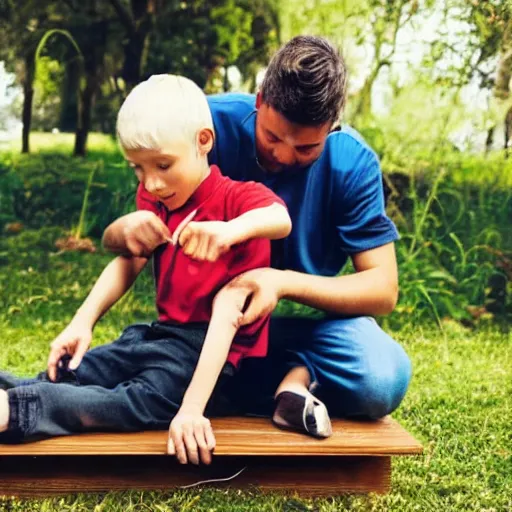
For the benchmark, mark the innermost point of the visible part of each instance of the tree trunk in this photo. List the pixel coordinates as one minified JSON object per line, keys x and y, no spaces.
{"x":69,"y":100}
{"x":133,"y":60}
{"x":136,"y":48}
{"x":490,"y":139}
{"x":85,"y":115}
{"x":504,"y":71}
{"x":364,"y":106}
{"x":501,"y":90}
{"x":507,"y":131}
{"x":28,"y":96}
{"x":225,"y":84}
{"x":93,"y":49}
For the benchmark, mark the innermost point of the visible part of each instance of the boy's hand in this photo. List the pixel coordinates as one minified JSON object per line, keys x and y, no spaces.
{"x":143,"y":232}
{"x":207,"y":240}
{"x":191,"y":437}
{"x":74,"y":340}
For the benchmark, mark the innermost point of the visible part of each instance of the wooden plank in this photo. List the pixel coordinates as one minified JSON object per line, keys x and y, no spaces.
{"x":240,"y":436}
{"x":307,"y":476}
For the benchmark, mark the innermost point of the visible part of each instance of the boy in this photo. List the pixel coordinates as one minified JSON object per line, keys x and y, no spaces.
{"x":166,"y":132}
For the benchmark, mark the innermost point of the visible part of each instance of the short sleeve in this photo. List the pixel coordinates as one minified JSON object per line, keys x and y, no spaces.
{"x":246,"y":196}
{"x":144,"y":200}
{"x":360,"y":215}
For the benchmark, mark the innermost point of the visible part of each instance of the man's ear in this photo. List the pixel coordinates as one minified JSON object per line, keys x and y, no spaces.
{"x":205,"y":140}
{"x":259,"y":100}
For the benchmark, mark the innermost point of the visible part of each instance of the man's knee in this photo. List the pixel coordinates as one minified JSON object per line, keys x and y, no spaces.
{"x":382,"y":388}
{"x":371,"y":373}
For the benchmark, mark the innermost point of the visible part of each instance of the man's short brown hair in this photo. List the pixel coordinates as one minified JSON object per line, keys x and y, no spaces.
{"x":306,"y":81}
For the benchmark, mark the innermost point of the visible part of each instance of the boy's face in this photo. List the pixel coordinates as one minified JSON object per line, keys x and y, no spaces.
{"x":282,"y":145}
{"x":172,"y":174}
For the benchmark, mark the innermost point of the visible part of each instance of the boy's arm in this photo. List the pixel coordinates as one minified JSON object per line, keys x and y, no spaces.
{"x":272,"y":222}
{"x":209,"y":240}
{"x":190,"y":434}
{"x":137,"y":234}
{"x":74,"y":340}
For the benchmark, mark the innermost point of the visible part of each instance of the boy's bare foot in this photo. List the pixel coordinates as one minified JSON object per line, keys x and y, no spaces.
{"x":303,"y":412}
{"x":4,"y":410}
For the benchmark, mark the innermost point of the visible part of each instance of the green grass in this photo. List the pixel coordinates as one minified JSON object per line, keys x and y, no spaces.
{"x":459,"y":404}
{"x":44,"y":142}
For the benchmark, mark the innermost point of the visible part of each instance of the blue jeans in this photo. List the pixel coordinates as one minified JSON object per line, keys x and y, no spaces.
{"x":135,"y":383}
{"x":356,"y":368}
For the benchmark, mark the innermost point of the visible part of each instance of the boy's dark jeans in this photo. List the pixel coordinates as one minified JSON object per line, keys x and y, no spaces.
{"x":136,"y":383}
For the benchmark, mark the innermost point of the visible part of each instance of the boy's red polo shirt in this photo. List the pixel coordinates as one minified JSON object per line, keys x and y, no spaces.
{"x":185,"y":288}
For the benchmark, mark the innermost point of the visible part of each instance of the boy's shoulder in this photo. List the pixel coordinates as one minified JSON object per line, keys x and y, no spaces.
{"x":242,"y":196}
{"x":232,"y":186}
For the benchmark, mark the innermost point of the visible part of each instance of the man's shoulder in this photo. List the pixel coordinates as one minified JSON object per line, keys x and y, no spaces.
{"x":348,"y":155}
{"x":350,"y":142}
{"x":235,"y":105}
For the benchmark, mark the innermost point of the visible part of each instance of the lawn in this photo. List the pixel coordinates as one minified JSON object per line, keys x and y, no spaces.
{"x":459,"y":404}
{"x":454,"y":242}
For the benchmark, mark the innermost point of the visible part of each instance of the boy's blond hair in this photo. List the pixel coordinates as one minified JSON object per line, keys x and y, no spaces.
{"x":164,"y":109}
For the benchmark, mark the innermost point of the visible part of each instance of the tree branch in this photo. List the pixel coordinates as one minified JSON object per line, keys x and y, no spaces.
{"x":125,"y":16}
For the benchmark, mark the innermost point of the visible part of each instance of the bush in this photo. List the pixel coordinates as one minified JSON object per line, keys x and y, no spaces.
{"x":453,"y":211}
{"x":49,"y":189}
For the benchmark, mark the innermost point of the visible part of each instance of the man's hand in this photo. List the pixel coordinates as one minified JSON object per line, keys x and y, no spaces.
{"x":143,"y":232}
{"x":264,"y":286}
{"x":191,"y":436}
{"x":74,"y":341}
{"x":207,"y":240}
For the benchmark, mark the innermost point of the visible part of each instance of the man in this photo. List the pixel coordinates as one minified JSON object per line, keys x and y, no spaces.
{"x":331,"y":181}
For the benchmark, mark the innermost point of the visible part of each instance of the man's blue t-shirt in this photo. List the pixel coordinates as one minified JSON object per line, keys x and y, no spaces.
{"x":336,"y":204}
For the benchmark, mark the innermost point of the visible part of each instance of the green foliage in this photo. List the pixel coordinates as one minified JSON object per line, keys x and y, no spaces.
{"x":227,"y":17}
{"x":454,"y":238}
{"x":454,"y":222}
{"x":57,"y":189}
{"x":47,"y":94}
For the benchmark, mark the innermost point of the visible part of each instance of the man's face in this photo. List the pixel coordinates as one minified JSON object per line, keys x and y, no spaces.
{"x":281,"y":144}
{"x":171,"y":175}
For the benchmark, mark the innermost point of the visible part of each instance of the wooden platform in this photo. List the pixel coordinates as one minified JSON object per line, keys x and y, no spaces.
{"x":357,"y":458}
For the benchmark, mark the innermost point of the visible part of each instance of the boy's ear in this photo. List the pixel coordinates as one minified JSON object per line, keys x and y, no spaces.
{"x":205,"y":140}
{"x":259,"y":101}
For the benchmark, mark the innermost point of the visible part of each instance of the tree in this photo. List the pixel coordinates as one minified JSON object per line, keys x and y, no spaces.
{"x":138,"y":19}
{"x":265,"y":36}
{"x":21,"y":27}
{"x":386,"y":18}
{"x":199,"y":37}
{"x":484,"y":55}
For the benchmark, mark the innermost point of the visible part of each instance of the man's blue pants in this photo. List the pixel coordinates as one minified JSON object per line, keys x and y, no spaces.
{"x":357,"y":369}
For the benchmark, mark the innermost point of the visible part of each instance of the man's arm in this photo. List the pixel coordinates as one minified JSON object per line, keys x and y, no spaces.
{"x":74,"y":340}
{"x":372,"y":290}
{"x":190,"y":434}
